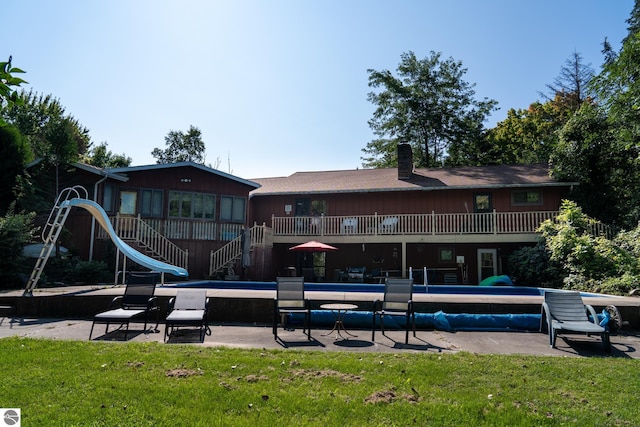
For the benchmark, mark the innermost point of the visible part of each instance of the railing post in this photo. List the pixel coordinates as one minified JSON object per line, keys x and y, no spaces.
{"x":375,"y":222}
{"x":433,"y":222}
{"x":495,"y":222}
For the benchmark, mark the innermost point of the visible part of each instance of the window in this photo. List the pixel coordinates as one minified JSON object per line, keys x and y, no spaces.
{"x":151,"y":203}
{"x":526,"y":197}
{"x":482,"y":202}
{"x":107,"y":198}
{"x":307,"y":207}
{"x":445,"y":255}
{"x":192,"y":205}
{"x":302,"y":207}
{"x":232,"y":209}
{"x":128,"y":202}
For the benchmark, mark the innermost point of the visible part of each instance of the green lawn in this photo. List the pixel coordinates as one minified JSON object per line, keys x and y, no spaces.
{"x":138,"y":384}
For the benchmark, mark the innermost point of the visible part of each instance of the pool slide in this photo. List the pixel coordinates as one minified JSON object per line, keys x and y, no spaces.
{"x":101,"y":216}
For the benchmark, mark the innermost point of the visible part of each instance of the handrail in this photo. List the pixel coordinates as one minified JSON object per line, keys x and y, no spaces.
{"x":232,"y":251}
{"x":133,"y":228}
{"x":161,"y":246}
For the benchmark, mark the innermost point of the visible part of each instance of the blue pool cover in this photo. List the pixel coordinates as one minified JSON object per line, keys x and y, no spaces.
{"x":439,"y":321}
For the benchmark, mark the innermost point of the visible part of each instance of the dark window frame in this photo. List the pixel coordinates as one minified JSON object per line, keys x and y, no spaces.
{"x":231,"y":215}
{"x":189,"y":198}
{"x":524,"y":196}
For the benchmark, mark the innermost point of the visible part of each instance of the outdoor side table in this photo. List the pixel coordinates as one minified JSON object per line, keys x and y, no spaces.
{"x":339,"y":310}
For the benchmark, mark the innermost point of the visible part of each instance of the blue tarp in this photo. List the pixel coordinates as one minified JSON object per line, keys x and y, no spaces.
{"x":439,"y":321}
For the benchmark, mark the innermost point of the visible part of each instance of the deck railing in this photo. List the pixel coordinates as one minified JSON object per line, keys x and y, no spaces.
{"x":411,"y":224}
{"x":128,"y":228}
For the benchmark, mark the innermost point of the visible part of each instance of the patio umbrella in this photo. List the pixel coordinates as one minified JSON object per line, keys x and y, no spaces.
{"x":313,"y":246}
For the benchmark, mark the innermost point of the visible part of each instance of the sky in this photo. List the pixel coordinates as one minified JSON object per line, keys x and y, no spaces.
{"x":280,"y":86}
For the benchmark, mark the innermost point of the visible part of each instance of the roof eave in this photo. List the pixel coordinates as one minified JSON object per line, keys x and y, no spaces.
{"x":393,"y":189}
{"x":186,"y":164}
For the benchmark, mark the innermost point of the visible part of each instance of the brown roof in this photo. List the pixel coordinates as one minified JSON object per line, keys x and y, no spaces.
{"x":377,"y":180}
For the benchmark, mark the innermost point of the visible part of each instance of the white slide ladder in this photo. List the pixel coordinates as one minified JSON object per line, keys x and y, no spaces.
{"x":51,"y":232}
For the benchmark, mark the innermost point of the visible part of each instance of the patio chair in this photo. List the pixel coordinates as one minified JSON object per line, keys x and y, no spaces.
{"x":189,"y":308}
{"x":138,"y":300}
{"x":388,"y":225}
{"x":349,"y":226}
{"x":450,"y":279}
{"x":564,"y":311}
{"x":397,"y":302}
{"x":290,"y":299}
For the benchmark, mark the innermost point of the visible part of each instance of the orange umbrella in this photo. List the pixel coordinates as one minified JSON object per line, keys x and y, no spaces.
{"x":313,"y":246}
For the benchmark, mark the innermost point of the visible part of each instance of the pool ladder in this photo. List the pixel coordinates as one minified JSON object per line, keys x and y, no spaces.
{"x":51,"y":233}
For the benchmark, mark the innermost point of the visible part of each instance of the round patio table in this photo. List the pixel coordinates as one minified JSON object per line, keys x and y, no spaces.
{"x":339,"y":310}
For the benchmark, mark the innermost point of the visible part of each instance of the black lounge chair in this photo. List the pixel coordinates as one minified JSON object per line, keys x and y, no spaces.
{"x":290,"y":299}
{"x":398,"y":294}
{"x":138,"y":300}
{"x":189,"y":308}
{"x":564,"y":311}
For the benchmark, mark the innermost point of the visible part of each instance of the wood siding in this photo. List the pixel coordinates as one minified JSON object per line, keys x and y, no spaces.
{"x":403,"y":202}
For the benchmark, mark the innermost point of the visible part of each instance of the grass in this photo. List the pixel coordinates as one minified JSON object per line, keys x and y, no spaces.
{"x":74,"y":383}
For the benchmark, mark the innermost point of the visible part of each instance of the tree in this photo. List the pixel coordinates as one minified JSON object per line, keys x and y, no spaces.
{"x":428,"y":105}
{"x":16,"y":230}
{"x":586,"y":261}
{"x":589,"y":152}
{"x":528,"y":135}
{"x":100,"y":156}
{"x":14,"y":155}
{"x":181,"y":147}
{"x":56,"y":138}
{"x":572,"y":83}
{"x":617,"y":88}
{"x":8,"y":81}
{"x":633,"y":21}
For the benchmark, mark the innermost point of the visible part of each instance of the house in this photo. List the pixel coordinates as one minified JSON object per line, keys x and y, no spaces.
{"x":456,"y":225}
{"x":451,"y":225}
{"x":179,"y":213}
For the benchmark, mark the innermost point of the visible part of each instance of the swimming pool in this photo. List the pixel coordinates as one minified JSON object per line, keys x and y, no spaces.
{"x":436,"y":320}
{"x":370,"y":288}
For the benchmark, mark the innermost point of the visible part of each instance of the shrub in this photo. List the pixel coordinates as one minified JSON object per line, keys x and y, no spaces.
{"x":532,"y":266}
{"x":16,"y":230}
{"x":90,"y":272}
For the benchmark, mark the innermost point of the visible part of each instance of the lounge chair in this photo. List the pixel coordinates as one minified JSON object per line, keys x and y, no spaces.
{"x":138,"y":300}
{"x":564,"y":311}
{"x":397,"y":302}
{"x":189,"y":308}
{"x":290,"y":299}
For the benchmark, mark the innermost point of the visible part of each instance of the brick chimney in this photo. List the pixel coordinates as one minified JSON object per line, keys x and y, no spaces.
{"x":405,"y":161}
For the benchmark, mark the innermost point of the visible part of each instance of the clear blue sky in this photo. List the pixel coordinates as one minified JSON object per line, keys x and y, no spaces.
{"x":279,"y":86}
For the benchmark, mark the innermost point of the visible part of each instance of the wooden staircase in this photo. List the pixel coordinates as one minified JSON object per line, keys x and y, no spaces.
{"x":225,"y":258}
{"x":139,"y":234}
